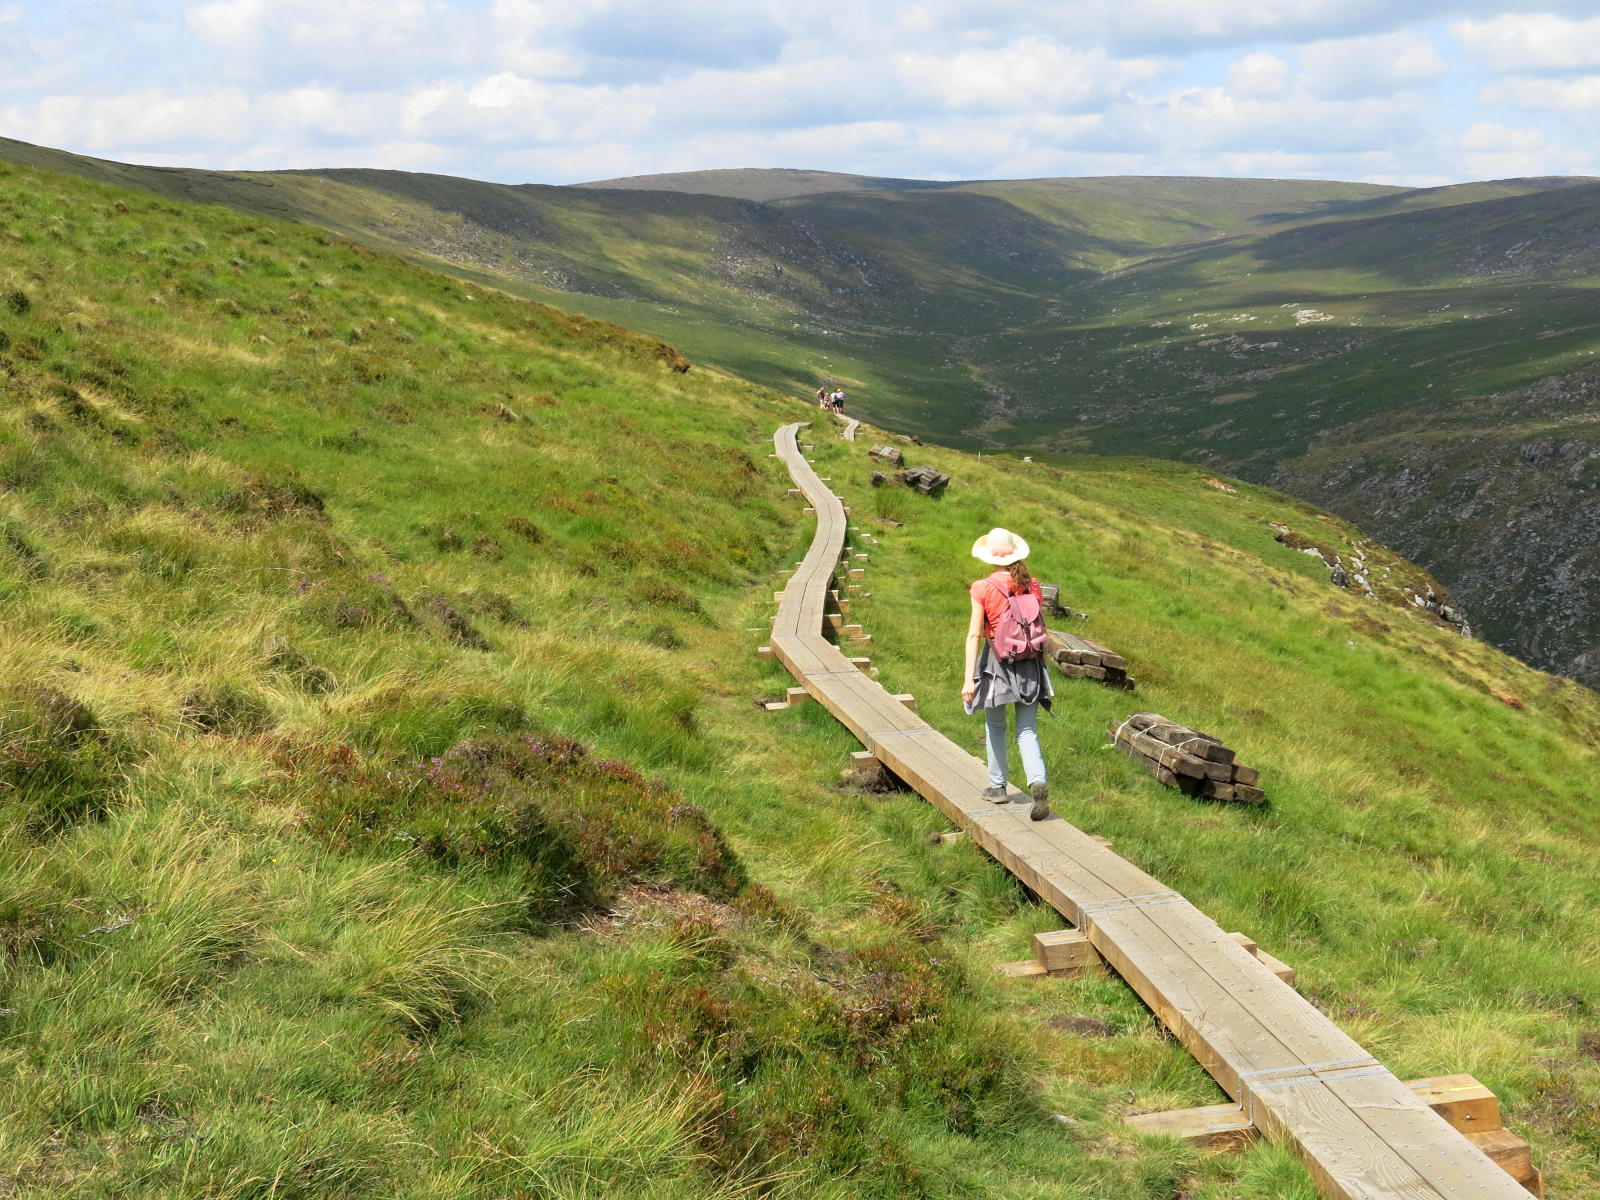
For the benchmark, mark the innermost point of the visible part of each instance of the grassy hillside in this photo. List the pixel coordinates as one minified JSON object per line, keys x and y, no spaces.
{"x":386,"y":813}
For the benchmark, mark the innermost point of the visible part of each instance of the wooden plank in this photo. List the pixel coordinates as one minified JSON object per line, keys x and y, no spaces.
{"x":1213,"y":1127}
{"x":1450,"y":1162}
{"x":1340,"y":1149}
{"x":1108,"y":658}
{"x":1197,"y":743}
{"x":1179,"y":762}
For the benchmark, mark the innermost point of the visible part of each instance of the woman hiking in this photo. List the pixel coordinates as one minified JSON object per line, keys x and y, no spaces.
{"x":1013,"y":672}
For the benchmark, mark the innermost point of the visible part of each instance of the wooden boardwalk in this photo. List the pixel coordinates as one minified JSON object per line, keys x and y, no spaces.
{"x":850,"y":427}
{"x":1299,"y":1078}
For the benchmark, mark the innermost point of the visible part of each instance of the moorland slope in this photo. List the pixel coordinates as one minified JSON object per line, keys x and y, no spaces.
{"x":385,"y":812}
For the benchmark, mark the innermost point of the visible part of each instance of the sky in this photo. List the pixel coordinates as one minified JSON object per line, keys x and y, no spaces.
{"x":1418,"y":92}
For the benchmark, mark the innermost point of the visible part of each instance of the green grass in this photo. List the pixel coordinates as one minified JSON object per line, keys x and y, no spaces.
{"x":283,"y":521}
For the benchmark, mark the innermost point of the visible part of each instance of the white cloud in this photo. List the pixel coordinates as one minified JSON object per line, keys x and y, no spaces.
{"x":1568,"y":95}
{"x":1212,"y":118}
{"x":1352,"y":68}
{"x":1031,"y":75}
{"x":1532,"y":42}
{"x":1258,"y":74}
{"x":1492,"y":137}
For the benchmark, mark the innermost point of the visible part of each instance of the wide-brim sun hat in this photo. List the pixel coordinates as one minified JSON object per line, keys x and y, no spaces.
{"x":1000,"y":548}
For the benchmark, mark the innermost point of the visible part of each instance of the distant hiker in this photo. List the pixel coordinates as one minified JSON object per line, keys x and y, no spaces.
{"x":1005,"y":663}
{"x":822,"y":397}
{"x":838,"y":400}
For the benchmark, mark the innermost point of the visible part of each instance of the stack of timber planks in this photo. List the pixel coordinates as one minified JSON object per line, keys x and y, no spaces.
{"x":925,"y":479}
{"x":1079,"y":658}
{"x":1186,"y":758}
{"x":887,"y":454}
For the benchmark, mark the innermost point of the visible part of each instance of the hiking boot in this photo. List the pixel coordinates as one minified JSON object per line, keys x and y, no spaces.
{"x":998,"y":794}
{"x":1041,"y":800}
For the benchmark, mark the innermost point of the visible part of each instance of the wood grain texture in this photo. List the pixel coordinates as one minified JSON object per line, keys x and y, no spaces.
{"x":1294,"y":1073}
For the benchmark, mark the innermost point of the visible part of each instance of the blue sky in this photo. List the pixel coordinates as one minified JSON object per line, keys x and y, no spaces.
{"x":1423,"y":92}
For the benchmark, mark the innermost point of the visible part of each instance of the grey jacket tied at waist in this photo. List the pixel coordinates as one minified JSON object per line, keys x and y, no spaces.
{"x":1024,"y":682}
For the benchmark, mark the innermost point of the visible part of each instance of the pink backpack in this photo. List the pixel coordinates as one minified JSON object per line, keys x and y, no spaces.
{"x":1019,"y":631}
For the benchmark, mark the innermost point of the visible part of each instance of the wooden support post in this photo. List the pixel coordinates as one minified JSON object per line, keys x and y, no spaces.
{"x":945,"y":839}
{"x":777,"y":597}
{"x":862,"y":664}
{"x":1461,"y":1100}
{"x":1513,"y":1156}
{"x":764,"y":653}
{"x":809,"y":512}
{"x":857,"y":573}
{"x":907,"y":699}
{"x":833,"y":621}
{"x":1281,"y":969}
{"x":794,"y":697}
{"x":1065,"y":952}
{"x":849,"y":631}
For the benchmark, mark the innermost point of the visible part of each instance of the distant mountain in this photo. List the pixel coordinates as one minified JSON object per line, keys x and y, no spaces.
{"x":1342,"y":341}
{"x":767,"y":183}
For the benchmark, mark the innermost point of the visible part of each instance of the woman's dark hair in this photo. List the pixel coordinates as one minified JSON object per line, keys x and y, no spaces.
{"x":1021,"y":580}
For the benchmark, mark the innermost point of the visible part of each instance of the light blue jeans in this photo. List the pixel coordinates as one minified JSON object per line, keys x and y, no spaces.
{"x":994,"y":726}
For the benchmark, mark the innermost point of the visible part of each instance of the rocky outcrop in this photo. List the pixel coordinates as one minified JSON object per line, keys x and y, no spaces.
{"x":1502,"y":503}
{"x":1385,"y":579}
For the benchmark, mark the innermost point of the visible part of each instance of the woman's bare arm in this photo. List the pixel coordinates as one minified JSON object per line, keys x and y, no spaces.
{"x":974,"y":639}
